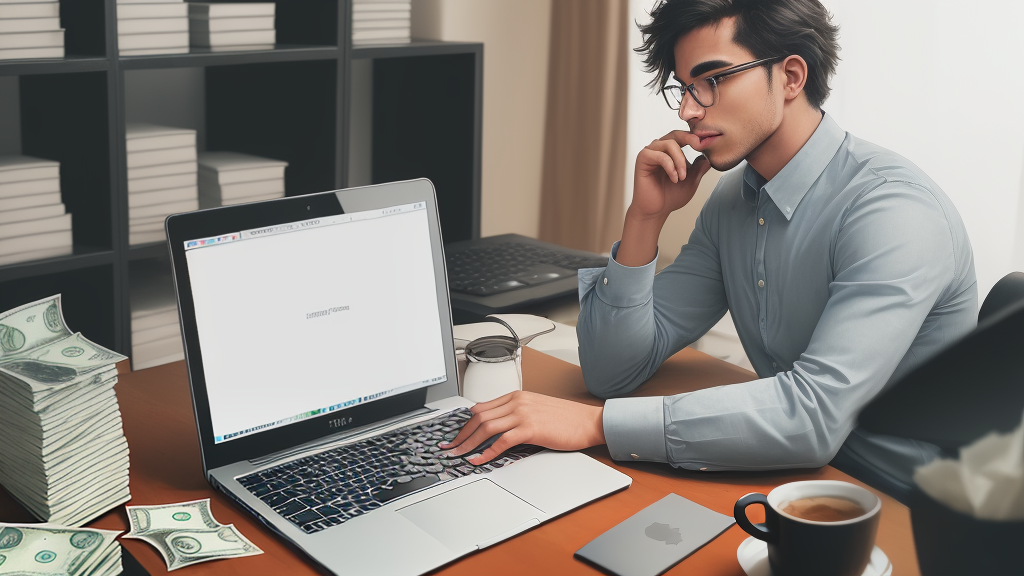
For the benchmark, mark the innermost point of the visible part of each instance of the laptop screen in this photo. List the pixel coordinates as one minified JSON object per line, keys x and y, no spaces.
{"x":301,"y":319}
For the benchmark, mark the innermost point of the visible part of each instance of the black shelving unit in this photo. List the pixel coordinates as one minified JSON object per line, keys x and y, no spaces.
{"x":291,"y":103}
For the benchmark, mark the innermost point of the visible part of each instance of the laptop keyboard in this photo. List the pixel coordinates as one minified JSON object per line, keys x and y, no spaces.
{"x":494,"y":268}
{"x":329,"y":488}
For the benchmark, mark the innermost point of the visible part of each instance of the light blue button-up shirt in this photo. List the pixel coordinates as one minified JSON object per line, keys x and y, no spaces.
{"x":842,"y":273}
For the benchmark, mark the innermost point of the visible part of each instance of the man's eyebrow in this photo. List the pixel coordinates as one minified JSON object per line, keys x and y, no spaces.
{"x":708,"y":66}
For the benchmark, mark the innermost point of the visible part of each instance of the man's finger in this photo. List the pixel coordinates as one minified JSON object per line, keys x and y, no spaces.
{"x":673,"y":150}
{"x":507,"y":440}
{"x":651,"y":156}
{"x":484,"y":431}
{"x":473,"y":423}
{"x":465,"y":432}
{"x":682,"y":137}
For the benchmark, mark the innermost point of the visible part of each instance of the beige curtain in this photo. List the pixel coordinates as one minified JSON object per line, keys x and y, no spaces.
{"x":582,"y":186}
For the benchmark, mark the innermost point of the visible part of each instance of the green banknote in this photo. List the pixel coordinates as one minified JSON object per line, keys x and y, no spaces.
{"x":51,"y":549}
{"x":146,"y":520}
{"x":187,"y":533}
{"x":32,"y":325}
{"x":57,"y":363}
{"x":186,"y":547}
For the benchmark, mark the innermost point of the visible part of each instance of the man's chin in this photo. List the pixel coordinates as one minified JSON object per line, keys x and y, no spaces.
{"x":720,"y":163}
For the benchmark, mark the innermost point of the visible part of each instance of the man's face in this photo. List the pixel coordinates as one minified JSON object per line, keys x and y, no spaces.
{"x":747,"y":111}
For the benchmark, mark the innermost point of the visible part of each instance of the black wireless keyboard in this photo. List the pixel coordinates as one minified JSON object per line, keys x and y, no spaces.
{"x":495,"y":268}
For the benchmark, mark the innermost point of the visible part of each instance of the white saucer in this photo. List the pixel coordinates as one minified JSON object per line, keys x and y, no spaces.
{"x":753,"y":557}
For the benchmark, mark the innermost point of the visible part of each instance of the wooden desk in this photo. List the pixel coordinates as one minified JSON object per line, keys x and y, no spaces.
{"x":161,"y":431}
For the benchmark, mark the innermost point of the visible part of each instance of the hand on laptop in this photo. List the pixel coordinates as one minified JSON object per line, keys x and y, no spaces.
{"x":528,"y":418}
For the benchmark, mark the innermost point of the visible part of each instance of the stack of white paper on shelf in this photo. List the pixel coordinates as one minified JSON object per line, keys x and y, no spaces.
{"x":152,"y":27}
{"x":30,"y":29}
{"x":33,"y":224}
{"x":381,"y":21}
{"x":161,"y":178}
{"x":156,"y":333}
{"x":234,"y":26}
{"x":63,"y":455}
{"x":227,"y":178}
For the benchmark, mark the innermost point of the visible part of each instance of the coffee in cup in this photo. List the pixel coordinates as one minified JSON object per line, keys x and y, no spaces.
{"x":824,"y":509}
{"x":815,"y":528}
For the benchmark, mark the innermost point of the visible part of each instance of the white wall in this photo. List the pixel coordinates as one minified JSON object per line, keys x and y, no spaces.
{"x":904,"y":83}
{"x":515,"y":37}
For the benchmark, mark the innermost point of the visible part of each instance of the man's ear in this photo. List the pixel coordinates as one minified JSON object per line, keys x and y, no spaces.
{"x":795,"y":73}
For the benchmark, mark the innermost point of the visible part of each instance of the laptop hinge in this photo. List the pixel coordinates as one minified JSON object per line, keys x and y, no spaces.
{"x":321,"y":444}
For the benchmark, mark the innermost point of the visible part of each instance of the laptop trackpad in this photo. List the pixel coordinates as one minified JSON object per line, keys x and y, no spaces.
{"x":471,"y":514}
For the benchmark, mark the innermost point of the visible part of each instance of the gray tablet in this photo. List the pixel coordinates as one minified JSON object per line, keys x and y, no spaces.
{"x":655,"y":538}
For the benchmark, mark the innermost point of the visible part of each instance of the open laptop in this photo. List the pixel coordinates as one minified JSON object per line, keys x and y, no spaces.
{"x":318,"y":338}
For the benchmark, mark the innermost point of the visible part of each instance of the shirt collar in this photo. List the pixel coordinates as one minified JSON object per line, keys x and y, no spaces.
{"x":791,"y":184}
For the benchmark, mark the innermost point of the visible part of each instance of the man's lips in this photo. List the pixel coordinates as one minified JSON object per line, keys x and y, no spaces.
{"x":706,"y":138}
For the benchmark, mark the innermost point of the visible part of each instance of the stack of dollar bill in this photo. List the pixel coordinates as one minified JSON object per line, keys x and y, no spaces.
{"x":41,"y":549}
{"x":63,"y":454}
{"x":187,"y":533}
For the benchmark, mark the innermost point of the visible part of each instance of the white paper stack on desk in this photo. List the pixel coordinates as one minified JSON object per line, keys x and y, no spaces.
{"x":33,"y":224}
{"x":156,"y":334}
{"x":31,"y":29}
{"x":152,"y":27}
{"x":161,"y":178}
{"x":63,"y":455}
{"x":381,"y":21}
{"x":227,"y":178}
{"x":234,"y":26}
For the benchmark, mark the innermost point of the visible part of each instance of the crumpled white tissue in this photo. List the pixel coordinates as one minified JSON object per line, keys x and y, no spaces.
{"x":987,"y":482}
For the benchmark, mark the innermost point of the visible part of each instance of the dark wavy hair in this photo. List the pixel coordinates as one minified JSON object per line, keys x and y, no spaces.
{"x":764,"y":27}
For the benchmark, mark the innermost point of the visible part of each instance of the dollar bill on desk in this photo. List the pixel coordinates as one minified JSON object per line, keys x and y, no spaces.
{"x":187,"y":533}
{"x":43,"y":549}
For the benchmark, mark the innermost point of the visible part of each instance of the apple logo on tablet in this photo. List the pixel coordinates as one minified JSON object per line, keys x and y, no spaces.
{"x":663,"y":533}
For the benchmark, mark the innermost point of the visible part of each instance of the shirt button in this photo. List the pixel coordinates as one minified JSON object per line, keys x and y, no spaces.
{"x":760,"y":283}
{"x":606,"y":281}
{"x":760,"y":221}
{"x":634,"y":456}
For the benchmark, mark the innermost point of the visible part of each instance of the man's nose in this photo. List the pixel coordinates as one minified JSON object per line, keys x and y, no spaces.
{"x":689,"y":109}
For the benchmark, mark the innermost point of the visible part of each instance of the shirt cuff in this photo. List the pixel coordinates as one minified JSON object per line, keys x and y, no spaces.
{"x":634,"y":428}
{"x":618,"y":285}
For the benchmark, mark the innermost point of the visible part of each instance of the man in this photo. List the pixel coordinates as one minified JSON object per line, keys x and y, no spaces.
{"x":844,"y":265}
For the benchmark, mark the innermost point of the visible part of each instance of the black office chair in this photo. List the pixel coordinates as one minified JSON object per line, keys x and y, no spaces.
{"x":1007,"y":293}
{"x":966,"y":391}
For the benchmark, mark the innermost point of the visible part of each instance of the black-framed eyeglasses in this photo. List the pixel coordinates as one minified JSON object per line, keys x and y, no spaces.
{"x":705,"y":92}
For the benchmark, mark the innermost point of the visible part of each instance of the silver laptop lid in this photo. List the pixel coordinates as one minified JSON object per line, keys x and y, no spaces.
{"x":306,"y":316}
